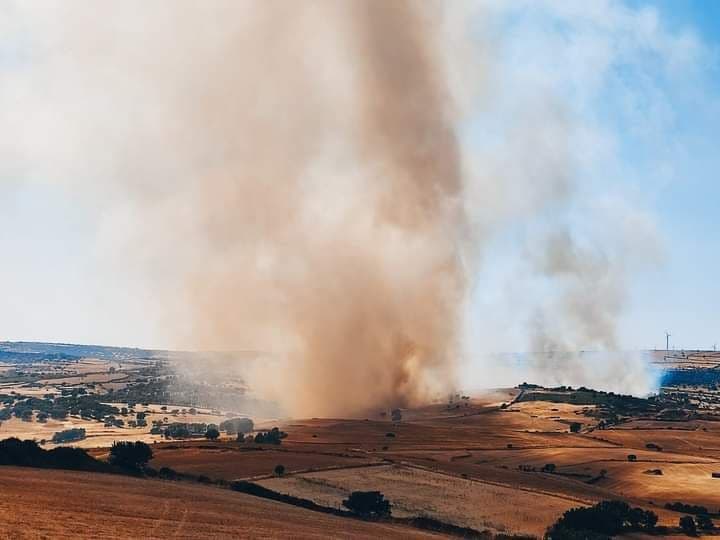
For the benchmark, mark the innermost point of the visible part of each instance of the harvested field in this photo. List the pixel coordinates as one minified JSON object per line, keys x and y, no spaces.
{"x":415,"y":491}
{"x":231,"y":461}
{"x":63,"y":504}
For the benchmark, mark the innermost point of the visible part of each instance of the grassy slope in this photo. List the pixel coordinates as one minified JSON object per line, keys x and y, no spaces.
{"x":61,"y":504}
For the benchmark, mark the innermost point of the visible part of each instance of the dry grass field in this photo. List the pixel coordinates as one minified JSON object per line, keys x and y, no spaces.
{"x":63,"y":504}
{"x":415,"y":491}
{"x":230,"y":461}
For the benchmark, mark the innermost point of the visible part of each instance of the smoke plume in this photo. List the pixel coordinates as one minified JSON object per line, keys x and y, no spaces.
{"x":295,"y":178}
{"x":319,"y":195}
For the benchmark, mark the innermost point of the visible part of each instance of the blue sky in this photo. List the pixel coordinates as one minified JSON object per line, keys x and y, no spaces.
{"x":640,"y":81}
{"x":683,"y":293}
{"x":632,"y":90}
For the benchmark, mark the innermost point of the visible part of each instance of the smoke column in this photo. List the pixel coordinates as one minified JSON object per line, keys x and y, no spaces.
{"x":325,"y":204}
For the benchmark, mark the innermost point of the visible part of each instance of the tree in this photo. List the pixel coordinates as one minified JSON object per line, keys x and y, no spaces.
{"x":396,"y":415}
{"x":368,"y":504}
{"x":68,"y":435}
{"x":130,"y":455}
{"x":575,"y":427}
{"x":687,"y":524}
{"x":632,"y":457}
{"x":274,"y":436}
{"x":549,"y":467}
{"x":279,"y":470}
{"x":212,"y":433}
{"x":237,"y":425}
{"x":607,"y":518}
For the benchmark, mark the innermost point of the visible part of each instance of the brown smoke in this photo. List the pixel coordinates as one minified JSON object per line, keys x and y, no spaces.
{"x":326,"y":203}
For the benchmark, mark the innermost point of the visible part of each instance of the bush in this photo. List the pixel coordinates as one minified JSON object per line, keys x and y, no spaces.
{"x":130,"y":455}
{"x":279,"y":470}
{"x":368,"y":504}
{"x":575,"y":427}
{"x":549,"y":468}
{"x":632,"y":457}
{"x":167,"y":473}
{"x":687,"y":524}
{"x":212,"y":433}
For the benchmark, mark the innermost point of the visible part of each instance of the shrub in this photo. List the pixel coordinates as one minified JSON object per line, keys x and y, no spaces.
{"x":130,"y":455}
{"x":575,"y":427}
{"x":549,"y":468}
{"x":168,"y":473}
{"x":687,"y":524}
{"x":279,"y":470}
{"x":212,"y":433}
{"x":368,"y":504}
{"x":632,"y":457}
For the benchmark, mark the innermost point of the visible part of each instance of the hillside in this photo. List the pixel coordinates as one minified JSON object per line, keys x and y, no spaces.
{"x":63,"y":504}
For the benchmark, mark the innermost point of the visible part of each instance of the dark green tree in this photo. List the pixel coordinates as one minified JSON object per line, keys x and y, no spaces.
{"x":368,"y":504}
{"x":130,"y":455}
